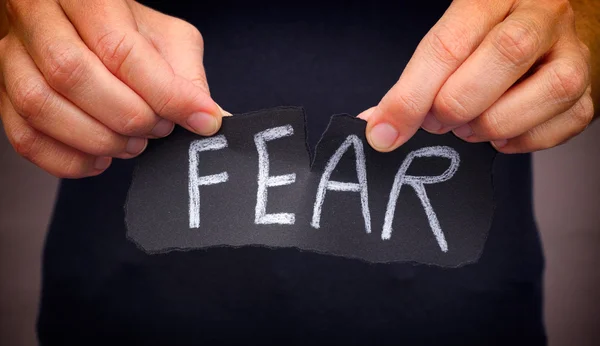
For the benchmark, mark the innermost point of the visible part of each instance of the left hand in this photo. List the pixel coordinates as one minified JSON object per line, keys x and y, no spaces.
{"x":511,"y":72}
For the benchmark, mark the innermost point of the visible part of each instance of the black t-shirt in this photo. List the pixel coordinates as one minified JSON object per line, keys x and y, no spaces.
{"x":334,"y":57}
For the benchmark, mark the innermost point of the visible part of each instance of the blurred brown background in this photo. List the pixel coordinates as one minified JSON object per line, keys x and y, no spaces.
{"x":567,"y":197}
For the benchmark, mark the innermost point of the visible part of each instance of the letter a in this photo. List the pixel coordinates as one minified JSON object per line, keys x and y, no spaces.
{"x":326,"y":184}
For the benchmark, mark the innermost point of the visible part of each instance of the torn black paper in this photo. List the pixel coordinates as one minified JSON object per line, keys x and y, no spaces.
{"x":252,"y":184}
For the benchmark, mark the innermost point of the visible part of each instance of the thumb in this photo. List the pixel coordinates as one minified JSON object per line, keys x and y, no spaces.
{"x":182,"y":46}
{"x":395,"y":119}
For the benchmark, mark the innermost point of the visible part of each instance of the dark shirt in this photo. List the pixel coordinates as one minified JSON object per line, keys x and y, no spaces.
{"x":335,"y":57}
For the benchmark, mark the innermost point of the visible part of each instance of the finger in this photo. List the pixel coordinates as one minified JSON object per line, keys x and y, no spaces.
{"x":506,"y":54}
{"x":178,"y":42}
{"x":75,"y":72}
{"x":47,"y":153}
{"x":109,"y":29}
{"x":445,"y":47}
{"x":553,"y":132}
{"x":554,"y":88}
{"x":50,"y":113}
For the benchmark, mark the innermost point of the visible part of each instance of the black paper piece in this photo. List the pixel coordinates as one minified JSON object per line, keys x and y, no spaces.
{"x":252,"y":184}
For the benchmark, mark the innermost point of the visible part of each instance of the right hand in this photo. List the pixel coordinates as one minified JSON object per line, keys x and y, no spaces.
{"x":82,"y":82}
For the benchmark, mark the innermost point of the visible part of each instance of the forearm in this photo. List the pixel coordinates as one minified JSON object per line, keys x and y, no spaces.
{"x":587,"y":13}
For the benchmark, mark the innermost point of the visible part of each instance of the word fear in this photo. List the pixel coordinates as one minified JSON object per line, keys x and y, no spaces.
{"x":266,"y":181}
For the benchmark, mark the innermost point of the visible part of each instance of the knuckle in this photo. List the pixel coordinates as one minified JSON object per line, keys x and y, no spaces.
{"x":567,"y":82}
{"x":167,"y":104}
{"x":30,"y":97}
{"x":538,"y":139}
{"x":24,"y":141}
{"x":449,"y":43}
{"x":583,"y":112}
{"x":104,"y":144}
{"x":168,"y":101}
{"x":517,"y":42}
{"x":189,"y":32}
{"x":451,"y":109}
{"x":400,"y":103}
{"x":113,"y":48}
{"x":66,"y":65}
{"x":490,"y":127}
{"x":136,"y":123}
{"x":73,"y":167}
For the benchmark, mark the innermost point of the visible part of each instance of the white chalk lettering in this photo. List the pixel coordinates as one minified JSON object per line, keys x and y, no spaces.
{"x":418,"y":184}
{"x":265,"y":181}
{"x":326,"y":184}
{"x":197,"y":146}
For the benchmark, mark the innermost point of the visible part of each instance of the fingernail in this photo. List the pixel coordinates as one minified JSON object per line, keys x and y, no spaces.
{"x":136,"y":145}
{"x":365,"y":115}
{"x":203,"y":123}
{"x":163,"y":128}
{"x":431,"y":124}
{"x":499,"y":143}
{"x":383,"y":136}
{"x":224,"y":112}
{"x":102,"y":163}
{"x":463,"y":131}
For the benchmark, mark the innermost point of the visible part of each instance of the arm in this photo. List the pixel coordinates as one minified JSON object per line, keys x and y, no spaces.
{"x":587,"y":21}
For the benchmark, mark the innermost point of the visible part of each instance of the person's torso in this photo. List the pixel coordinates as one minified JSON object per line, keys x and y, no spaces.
{"x":334,"y":57}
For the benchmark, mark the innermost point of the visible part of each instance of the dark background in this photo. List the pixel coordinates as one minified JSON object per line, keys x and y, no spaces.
{"x":567,"y":197}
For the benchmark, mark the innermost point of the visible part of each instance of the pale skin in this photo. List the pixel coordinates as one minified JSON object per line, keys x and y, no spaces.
{"x":82,"y":82}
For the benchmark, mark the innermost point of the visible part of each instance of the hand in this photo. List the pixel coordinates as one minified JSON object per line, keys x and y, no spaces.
{"x":512,"y":72}
{"x":85,"y":81}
